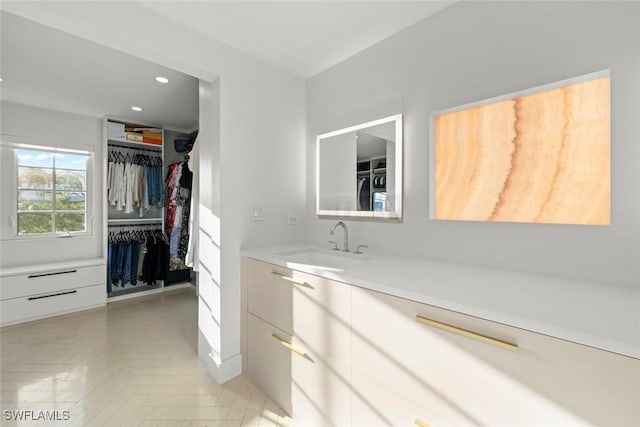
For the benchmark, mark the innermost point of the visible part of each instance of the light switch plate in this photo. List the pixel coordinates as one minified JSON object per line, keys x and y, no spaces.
{"x":292,"y":220}
{"x":257,"y":213}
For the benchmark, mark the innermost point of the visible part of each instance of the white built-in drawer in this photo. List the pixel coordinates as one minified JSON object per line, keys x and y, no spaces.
{"x":545,"y":382}
{"x":320,"y":386}
{"x":312,"y":308}
{"x":54,"y":280}
{"x":322,"y":317}
{"x":269,"y":297}
{"x":269,"y":361}
{"x":42,"y":305}
{"x":374,"y":405}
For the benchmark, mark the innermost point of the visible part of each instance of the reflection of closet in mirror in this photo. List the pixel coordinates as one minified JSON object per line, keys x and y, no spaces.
{"x":374,"y":152}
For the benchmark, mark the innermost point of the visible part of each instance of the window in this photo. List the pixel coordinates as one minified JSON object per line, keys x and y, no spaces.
{"x":51,"y":192}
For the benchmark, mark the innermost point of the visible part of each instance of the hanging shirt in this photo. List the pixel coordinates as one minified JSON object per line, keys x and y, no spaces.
{"x":129,"y":184}
{"x":120,"y":185}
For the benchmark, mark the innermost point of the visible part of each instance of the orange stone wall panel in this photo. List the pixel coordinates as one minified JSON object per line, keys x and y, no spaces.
{"x":538,"y":158}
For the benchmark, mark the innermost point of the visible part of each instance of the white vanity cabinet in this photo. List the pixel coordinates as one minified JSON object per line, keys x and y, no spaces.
{"x":545,"y":381}
{"x":363,"y":358}
{"x":301,"y":324}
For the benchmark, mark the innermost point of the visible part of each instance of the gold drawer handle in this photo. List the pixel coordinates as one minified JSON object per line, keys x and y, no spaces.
{"x":469,"y":334}
{"x":421,"y":423}
{"x":288,"y":345}
{"x":292,"y":280}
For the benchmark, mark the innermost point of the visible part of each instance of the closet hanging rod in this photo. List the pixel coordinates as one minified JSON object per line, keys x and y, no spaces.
{"x":149,"y":226}
{"x":151,"y":149}
{"x":142,"y":221}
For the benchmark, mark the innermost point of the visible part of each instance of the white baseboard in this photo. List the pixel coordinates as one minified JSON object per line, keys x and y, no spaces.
{"x":220,"y":371}
{"x":149,"y":292}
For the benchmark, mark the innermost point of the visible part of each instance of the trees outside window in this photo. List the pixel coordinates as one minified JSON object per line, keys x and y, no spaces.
{"x":51,"y":192}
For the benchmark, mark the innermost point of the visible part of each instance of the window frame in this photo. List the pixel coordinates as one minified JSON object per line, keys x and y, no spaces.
{"x":87,"y":191}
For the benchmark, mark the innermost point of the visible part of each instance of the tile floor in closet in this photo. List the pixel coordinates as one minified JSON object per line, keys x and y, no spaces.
{"x":131,"y":363}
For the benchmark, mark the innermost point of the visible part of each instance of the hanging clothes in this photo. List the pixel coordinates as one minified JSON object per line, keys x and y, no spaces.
{"x":135,"y":253}
{"x":134,"y":180}
{"x":192,"y":249}
{"x":179,"y":182}
{"x":364,"y":198}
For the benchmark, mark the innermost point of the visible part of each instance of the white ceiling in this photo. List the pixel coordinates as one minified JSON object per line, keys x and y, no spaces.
{"x":301,"y":37}
{"x":45,"y":67}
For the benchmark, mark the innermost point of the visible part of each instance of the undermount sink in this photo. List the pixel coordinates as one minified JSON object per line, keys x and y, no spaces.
{"x":321,"y":259}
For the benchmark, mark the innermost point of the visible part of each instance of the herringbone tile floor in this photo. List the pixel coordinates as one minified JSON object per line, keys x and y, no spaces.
{"x":133,"y":363}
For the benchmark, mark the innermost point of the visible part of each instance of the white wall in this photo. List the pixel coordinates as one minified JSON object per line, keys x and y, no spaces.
{"x":38,"y":126}
{"x":473,"y":51}
{"x":262,"y":130}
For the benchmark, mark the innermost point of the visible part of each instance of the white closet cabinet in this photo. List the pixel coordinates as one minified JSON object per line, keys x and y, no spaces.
{"x":36,"y":292}
{"x":343,"y":355}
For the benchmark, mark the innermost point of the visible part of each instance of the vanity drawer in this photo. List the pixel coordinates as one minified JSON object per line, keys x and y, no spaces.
{"x":52,"y":280}
{"x":374,"y":405}
{"x":314,"y":309}
{"x":545,"y":382}
{"x":269,"y":297}
{"x":320,"y":389}
{"x":322,"y":317}
{"x":268,"y":361}
{"x":49,"y":304}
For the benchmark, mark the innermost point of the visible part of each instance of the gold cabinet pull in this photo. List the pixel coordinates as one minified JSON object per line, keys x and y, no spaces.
{"x":420,"y":423}
{"x":292,"y":280}
{"x":288,"y":345}
{"x":469,"y":334}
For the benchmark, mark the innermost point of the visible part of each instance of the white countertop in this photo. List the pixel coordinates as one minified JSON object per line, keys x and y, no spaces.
{"x":601,"y":316}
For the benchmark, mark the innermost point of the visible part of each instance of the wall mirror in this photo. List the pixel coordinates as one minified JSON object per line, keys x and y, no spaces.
{"x":359,"y":171}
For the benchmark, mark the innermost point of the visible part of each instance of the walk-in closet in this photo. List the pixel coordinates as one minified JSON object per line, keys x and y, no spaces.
{"x":86,"y":147}
{"x":149,"y":186}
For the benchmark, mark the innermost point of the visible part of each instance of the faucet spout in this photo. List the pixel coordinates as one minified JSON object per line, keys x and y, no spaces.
{"x":346,"y":234}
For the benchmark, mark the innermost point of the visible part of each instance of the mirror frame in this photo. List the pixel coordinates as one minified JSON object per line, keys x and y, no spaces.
{"x":395,"y":215}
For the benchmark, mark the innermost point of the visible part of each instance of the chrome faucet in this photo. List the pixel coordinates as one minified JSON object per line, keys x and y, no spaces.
{"x":346,"y":234}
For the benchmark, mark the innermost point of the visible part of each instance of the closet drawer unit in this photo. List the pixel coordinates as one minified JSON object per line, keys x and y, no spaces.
{"x":468,"y":381}
{"x":269,"y":361}
{"x":269,"y":296}
{"x":49,"y":304}
{"x":50,"y":281}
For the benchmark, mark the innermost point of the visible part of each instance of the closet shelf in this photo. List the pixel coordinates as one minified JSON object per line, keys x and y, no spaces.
{"x":135,"y":221}
{"x":133,"y":144}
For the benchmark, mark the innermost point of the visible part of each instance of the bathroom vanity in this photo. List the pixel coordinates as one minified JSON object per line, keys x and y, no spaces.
{"x":342,"y":339}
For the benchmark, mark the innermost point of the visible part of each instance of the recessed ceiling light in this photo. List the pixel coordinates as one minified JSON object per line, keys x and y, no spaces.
{"x":161,"y":79}
{"x":136,"y":108}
